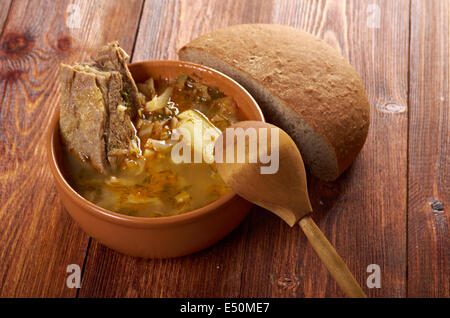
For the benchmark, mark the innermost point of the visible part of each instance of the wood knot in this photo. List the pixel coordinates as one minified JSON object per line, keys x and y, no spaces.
{"x":392,"y":108}
{"x":289,"y":283}
{"x":12,"y":75}
{"x":64,"y":43}
{"x":437,"y":206}
{"x":17,"y":43}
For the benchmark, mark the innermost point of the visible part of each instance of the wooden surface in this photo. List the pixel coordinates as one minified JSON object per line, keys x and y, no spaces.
{"x":390,"y":208}
{"x":429,"y":150}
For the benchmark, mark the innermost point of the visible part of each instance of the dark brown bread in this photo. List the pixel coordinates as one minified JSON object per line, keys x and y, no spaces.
{"x":302,"y":84}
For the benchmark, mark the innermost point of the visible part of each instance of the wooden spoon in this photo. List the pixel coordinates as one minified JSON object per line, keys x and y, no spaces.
{"x":284,"y":193}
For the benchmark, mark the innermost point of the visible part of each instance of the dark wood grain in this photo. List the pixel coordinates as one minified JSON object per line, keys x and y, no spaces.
{"x":37,"y":238}
{"x":429,"y":151}
{"x":265,"y":257}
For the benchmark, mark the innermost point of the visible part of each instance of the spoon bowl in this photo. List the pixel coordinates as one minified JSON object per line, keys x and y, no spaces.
{"x":286,"y":188}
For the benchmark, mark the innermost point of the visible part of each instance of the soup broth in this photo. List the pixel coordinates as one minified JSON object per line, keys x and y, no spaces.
{"x":148,"y":183}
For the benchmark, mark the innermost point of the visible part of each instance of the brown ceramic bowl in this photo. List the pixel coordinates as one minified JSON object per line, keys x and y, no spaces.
{"x":161,"y":237}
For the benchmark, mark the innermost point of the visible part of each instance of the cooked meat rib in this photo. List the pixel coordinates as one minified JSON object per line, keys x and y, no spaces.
{"x":83,"y":116}
{"x":108,"y":93}
{"x":121,"y":132}
{"x":112,"y":57}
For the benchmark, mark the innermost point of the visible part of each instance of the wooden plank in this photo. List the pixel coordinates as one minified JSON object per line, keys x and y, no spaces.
{"x":365,"y":221}
{"x":167,"y":24}
{"x":216,"y":272}
{"x":37,"y":238}
{"x":429,"y":151}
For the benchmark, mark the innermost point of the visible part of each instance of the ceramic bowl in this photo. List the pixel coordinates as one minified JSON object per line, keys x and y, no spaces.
{"x":160,"y":237}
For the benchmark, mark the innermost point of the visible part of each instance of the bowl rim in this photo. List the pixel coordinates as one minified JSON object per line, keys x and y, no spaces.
{"x":134,"y":221}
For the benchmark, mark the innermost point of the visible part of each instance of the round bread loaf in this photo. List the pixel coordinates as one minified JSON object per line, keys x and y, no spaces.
{"x":302,"y":84}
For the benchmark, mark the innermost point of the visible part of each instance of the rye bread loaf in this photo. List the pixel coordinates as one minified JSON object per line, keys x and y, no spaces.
{"x":302,"y":84}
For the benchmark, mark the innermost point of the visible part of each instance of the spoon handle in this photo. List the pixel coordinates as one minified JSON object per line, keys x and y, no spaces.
{"x":331,"y":259}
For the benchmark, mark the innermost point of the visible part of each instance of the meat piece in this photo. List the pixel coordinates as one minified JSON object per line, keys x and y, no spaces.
{"x":121,"y":134}
{"x":111,"y":83}
{"x":83,"y":116}
{"x":112,"y":57}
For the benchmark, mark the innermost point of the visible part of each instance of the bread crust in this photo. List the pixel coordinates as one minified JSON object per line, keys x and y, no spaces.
{"x":308,"y":75}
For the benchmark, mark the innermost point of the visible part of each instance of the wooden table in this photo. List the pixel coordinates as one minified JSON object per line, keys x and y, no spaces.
{"x":390,"y":208}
